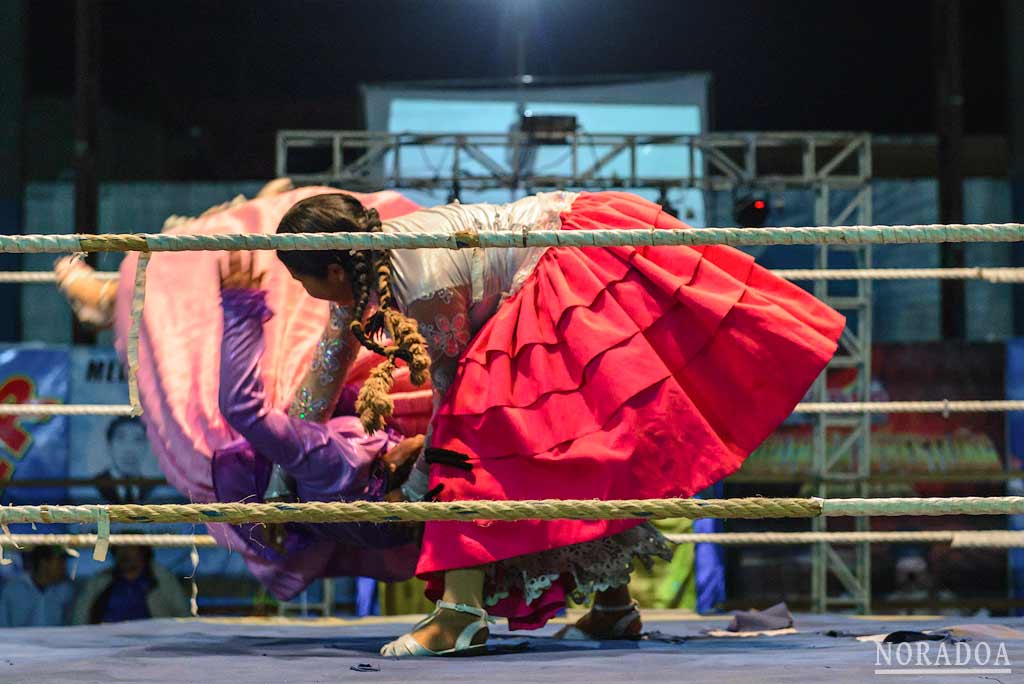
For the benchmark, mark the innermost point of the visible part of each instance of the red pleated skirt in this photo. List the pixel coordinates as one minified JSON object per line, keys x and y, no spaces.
{"x":617,"y":373}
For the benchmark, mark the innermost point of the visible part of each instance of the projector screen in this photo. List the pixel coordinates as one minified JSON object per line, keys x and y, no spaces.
{"x":669,"y":105}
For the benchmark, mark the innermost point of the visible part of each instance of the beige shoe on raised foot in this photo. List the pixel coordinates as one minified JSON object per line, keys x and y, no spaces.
{"x":406,"y":646}
{"x":90,"y":298}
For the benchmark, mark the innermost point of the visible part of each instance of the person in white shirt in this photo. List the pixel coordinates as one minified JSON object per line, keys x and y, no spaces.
{"x":40,"y":597}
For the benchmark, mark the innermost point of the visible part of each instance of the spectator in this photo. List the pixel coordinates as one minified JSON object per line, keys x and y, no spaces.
{"x":136,"y":588}
{"x":42,"y":595}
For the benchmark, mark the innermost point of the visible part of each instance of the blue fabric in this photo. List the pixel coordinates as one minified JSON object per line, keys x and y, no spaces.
{"x":709,"y":560}
{"x":127,"y":600}
{"x":366,"y":597}
{"x":1015,"y":448}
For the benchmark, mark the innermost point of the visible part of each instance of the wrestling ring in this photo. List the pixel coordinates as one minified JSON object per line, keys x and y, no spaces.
{"x":839,"y":648}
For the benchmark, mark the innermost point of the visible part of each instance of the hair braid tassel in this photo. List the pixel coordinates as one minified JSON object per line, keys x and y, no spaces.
{"x":374,"y":402}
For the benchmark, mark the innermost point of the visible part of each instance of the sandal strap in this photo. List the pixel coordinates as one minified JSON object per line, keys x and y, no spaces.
{"x":620,"y":626}
{"x":464,"y":608}
{"x":631,"y":606}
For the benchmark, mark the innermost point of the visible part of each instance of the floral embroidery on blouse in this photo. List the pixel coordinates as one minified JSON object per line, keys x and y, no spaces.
{"x":327,"y":360}
{"x":306,"y":406}
{"x":450,"y":335}
{"x":319,"y":390}
{"x":330,"y":351}
{"x":446,"y":295}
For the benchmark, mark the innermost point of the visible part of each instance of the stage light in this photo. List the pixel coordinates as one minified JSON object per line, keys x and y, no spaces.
{"x":750,"y":211}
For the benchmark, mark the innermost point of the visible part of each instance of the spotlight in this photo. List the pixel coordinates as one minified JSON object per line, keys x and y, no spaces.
{"x":751,"y":211}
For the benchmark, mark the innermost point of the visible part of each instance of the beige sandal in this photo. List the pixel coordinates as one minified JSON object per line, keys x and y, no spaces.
{"x":618,"y":630}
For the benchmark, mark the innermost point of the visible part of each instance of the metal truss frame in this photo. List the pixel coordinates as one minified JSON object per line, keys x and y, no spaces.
{"x":832,"y":165}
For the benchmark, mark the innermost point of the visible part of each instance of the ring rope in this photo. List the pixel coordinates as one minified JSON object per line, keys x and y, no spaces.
{"x":984,"y":273}
{"x":89,"y":540}
{"x":550,"y":509}
{"x":811,"y":235}
{"x":66,"y":410}
{"x":132,"y":346}
{"x":958,"y":538}
{"x":943,"y":406}
{"x":36,"y":277}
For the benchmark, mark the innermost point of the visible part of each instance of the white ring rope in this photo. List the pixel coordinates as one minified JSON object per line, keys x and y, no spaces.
{"x":987,"y":274}
{"x":41,"y":410}
{"x":998,"y":539}
{"x":132,"y":346}
{"x":787,"y":235}
{"x":957,"y":538}
{"x":42,"y":277}
{"x":943,"y":406}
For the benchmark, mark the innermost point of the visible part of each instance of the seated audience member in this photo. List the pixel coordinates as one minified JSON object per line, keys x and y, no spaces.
{"x":42,"y":595}
{"x":135,"y":588}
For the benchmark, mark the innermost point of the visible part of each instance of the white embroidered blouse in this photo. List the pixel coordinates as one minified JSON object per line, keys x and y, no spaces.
{"x":452,"y":293}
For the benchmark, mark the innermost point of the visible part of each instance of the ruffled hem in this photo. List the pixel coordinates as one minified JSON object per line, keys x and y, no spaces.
{"x":620,"y":373}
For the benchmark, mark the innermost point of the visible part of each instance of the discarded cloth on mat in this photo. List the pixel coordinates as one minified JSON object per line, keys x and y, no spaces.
{"x":773,"y":621}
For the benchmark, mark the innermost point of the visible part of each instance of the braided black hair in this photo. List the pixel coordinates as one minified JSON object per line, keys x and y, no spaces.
{"x":338,"y":212}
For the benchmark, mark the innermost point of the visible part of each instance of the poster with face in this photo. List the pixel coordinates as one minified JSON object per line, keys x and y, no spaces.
{"x":112,"y":450}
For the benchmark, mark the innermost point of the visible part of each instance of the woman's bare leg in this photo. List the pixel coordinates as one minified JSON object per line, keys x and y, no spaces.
{"x":460,"y":586}
{"x":609,"y":607}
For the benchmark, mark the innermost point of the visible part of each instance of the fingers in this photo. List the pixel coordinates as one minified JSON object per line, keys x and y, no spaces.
{"x":240,"y":272}
{"x":396,"y":457}
{"x":234,"y":262}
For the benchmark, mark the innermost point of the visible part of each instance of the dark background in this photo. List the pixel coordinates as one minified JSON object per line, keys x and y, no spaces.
{"x":200,"y":88}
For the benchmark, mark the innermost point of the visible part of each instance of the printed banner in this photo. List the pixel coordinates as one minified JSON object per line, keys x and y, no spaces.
{"x":108,"y":448}
{"x":33,"y":448}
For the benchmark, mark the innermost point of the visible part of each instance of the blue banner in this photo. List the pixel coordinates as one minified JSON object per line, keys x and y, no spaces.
{"x":33,"y":448}
{"x":1015,"y":449}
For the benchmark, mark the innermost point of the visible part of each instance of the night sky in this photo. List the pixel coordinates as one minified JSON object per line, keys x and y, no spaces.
{"x":240,"y":70}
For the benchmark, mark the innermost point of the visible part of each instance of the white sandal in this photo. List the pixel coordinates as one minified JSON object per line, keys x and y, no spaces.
{"x":618,"y":630}
{"x":406,"y":646}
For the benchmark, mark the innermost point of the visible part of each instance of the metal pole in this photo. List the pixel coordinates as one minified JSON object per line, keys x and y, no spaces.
{"x":13,"y":106}
{"x":1015,"y":90}
{"x":87,"y":70}
{"x":950,"y":109}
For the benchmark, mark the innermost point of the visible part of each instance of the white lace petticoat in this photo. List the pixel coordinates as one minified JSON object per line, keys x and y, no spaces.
{"x":596,"y":565}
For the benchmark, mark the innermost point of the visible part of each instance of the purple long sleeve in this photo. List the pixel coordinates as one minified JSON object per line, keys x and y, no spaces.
{"x":326,"y":467}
